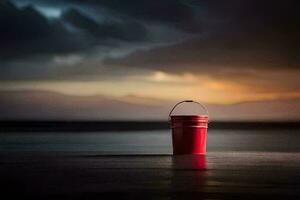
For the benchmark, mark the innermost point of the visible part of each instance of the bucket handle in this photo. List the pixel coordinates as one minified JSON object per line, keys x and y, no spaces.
{"x":188,"y":101}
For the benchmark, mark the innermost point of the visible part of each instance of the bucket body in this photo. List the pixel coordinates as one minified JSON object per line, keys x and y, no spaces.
{"x":189,"y":134}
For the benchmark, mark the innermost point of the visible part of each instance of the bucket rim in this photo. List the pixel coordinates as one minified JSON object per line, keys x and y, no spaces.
{"x":196,"y":118}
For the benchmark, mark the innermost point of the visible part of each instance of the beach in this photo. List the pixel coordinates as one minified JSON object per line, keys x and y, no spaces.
{"x":240,"y":164}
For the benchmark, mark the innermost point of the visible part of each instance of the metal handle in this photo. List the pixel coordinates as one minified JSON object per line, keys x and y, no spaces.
{"x":188,"y":101}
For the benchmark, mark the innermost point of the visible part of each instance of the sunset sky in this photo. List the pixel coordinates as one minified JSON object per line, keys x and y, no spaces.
{"x":149,"y":53}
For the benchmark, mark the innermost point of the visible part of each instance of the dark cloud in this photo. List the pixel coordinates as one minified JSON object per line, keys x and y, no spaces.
{"x":129,"y":31}
{"x":238,"y":34}
{"x":207,"y":54}
{"x":25,"y":32}
{"x":176,"y":13}
{"x":29,"y":41}
{"x":226,"y":34}
{"x":273,"y":24}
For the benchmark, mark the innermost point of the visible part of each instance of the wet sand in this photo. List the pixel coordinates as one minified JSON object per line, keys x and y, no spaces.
{"x":230,"y":175}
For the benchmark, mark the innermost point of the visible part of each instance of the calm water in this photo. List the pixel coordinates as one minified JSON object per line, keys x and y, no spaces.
{"x":149,"y":142}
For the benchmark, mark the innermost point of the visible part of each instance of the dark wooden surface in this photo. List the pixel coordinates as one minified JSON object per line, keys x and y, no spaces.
{"x":216,"y":176}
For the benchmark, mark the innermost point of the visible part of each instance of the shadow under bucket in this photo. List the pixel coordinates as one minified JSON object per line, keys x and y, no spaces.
{"x":189,"y":132}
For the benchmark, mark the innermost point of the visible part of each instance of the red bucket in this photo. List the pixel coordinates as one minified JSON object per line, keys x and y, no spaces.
{"x":189,"y":132}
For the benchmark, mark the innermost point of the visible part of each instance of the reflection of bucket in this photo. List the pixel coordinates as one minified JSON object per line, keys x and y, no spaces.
{"x":189,"y":173}
{"x":189,"y":132}
{"x":189,"y":162}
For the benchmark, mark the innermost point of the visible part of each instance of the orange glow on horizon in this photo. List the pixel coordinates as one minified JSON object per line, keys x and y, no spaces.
{"x":164,"y":86}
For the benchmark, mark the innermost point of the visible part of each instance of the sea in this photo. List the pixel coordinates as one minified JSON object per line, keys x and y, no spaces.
{"x":148,"y":142}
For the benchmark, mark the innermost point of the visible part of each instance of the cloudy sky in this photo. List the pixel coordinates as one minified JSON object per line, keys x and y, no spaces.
{"x":149,"y":53}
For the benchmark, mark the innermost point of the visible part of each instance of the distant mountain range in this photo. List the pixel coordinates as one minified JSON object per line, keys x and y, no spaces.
{"x":44,"y":105}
